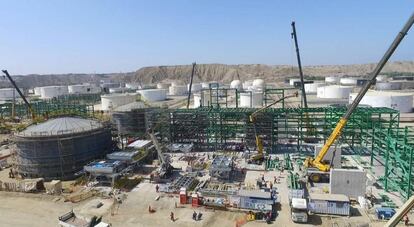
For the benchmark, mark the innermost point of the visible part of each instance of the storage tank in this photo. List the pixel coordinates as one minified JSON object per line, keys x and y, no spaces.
{"x":133,"y":86}
{"x":153,"y":95}
{"x":163,"y":85}
{"x":178,"y":90}
{"x":37,"y":91}
{"x":59,"y":148}
{"x":392,"y":85}
{"x":8,"y":94}
{"x":313,"y":88}
{"x":200,"y":100}
{"x":332,"y":79}
{"x":402,"y":102}
{"x":251,"y":99}
{"x":109,"y":102}
{"x":381,"y":78}
{"x":83,"y":89}
{"x":259,"y":84}
{"x":349,"y":81}
{"x":129,"y":119}
{"x":195,"y":87}
{"x":50,"y":92}
{"x":293,"y":80}
{"x":236,"y":84}
{"x":247,"y":84}
{"x":118,"y":90}
{"x":334,"y":92}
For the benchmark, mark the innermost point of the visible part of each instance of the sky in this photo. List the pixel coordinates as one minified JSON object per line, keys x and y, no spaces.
{"x":102,"y":36}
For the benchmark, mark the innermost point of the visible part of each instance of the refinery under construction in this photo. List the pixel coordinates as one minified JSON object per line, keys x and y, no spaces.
{"x":337,"y":151}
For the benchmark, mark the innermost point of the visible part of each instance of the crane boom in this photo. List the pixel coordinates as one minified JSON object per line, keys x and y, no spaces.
{"x":20,"y":93}
{"x":302,"y":86}
{"x":191,"y":84}
{"x":317,"y":162}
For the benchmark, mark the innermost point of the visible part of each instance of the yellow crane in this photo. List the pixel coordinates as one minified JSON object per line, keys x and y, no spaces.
{"x":259,"y":145}
{"x":317,"y":162}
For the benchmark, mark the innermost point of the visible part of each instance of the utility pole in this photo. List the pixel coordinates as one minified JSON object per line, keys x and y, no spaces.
{"x":305,"y":102}
{"x":191,"y":84}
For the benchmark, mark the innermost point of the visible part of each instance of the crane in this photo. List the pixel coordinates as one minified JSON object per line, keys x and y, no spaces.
{"x":165,"y":166}
{"x":259,"y":145}
{"x":302,"y":87}
{"x":317,"y":162}
{"x":191,"y":84}
{"x":29,"y":107}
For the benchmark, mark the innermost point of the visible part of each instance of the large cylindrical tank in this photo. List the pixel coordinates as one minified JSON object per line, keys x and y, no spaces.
{"x":332,"y":79}
{"x":236,"y":84}
{"x":313,"y":88}
{"x":402,"y":102}
{"x":391,"y":85}
{"x":349,"y":81}
{"x":163,"y":85}
{"x":247,"y":84}
{"x":178,"y":90}
{"x":83,"y":89}
{"x":195,"y":87}
{"x":251,"y":99}
{"x":334,"y":92}
{"x":49,"y":92}
{"x":37,"y":91}
{"x":109,"y":102}
{"x":259,"y":84}
{"x":153,"y":95}
{"x":129,"y":119}
{"x":59,"y":148}
{"x":8,"y":94}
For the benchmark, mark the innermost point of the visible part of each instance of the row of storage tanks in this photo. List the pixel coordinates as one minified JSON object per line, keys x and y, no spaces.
{"x":49,"y":92}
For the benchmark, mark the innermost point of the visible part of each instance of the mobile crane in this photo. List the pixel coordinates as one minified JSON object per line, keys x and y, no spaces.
{"x":29,"y":107}
{"x":317,"y":162}
{"x":259,"y":157}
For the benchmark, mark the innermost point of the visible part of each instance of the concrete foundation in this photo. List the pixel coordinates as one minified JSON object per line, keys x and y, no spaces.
{"x":328,"y":157}
{"x":350,"y":182}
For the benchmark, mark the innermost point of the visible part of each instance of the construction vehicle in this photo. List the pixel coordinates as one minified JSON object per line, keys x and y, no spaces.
{"x":29,"y":107}
{"x":191,"y":85}
{"x":318,"y":162}
{"x":165,"y":168}
{"x":259,"y":157}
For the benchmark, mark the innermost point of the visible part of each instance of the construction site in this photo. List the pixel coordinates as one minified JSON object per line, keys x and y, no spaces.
{"x":336,"y":151}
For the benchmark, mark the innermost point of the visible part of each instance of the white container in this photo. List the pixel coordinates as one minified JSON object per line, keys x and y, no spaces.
{"x":292,"y":81}
{"x":178,"y":90}
{"x":313,"y":88}
{"x":348,"y":81}
{"x":332,"y":79}
{"x":109,"y":102}
{"x":50,"y":92}
{"x":236,"y":84}
{"x":334,"y":92}
{"x":8,"y":94}
{"x":194,"y":87}
{"x":251,"y":99}
{"x":153,"y":95}
{"x":402,"y":102}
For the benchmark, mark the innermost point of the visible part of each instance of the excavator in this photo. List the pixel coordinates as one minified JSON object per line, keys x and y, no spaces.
{"x":259,"y":157}
{"x":317,"y":162}
{"x":29,"y":107}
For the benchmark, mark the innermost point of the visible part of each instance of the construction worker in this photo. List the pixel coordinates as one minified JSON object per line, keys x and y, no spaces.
{"x":194,"y":215}
{"x":157,"y":188}
{"x":172,"y":216}
{"x":406,"y":220}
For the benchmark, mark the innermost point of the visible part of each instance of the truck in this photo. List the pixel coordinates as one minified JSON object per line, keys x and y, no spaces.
{"x":299,"y":210}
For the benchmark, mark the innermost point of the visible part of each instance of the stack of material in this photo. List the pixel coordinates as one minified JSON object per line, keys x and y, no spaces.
{"x":54,"y":187}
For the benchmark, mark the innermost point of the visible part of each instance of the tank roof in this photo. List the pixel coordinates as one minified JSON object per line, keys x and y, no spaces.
{"x":61,"y":126}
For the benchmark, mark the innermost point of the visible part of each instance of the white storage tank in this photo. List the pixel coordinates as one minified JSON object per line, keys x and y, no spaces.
{"x":178,"y":90}
{"x":251,"y":99}
{"x":163,"y":85}
{"x":391,"y":85}
{"x":118,"y":90}
{"x":334,"y":92}
{"x":194,"y":87}
{"x":381,"y":78}
{"x":236,"y":84}
{"x":313,"y":88}
{"x":8,"y":94}
{"x":49,"y":92}
{"x":293,"y":80}
{"x":199,"y":100}
{"x":109,"y":102}
{"x":37,"y":91}
{"x":349,"y":81}
{"x":402,"y":102}
{"x":332,"y":79}
{"x":83,"y":89}
{"x":247,"y":84}
{"x":132,"y":86}
{"x":259,"y":84}
{"x":153,"y":95}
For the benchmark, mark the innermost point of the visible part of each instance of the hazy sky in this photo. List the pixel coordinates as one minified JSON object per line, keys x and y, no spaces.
{"x":88,"y":36}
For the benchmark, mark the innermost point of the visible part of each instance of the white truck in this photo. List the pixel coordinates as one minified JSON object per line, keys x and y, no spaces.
{"x":299,"y":210}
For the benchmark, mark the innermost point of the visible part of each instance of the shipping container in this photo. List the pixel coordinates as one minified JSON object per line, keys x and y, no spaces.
{"x":335,"y":204}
